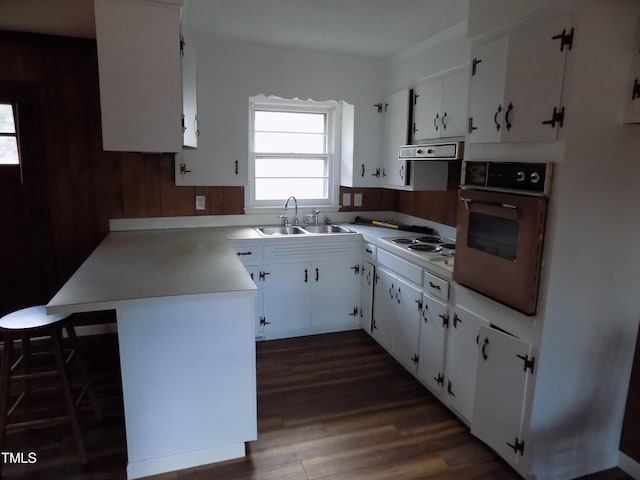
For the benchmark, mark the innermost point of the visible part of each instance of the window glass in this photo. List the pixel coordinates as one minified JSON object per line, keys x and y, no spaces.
{"x":9,"y":154}
{"x":494,"y":235}
{"x":291,"y":152}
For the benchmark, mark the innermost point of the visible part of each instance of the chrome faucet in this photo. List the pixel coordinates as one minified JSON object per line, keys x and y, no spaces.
{"x":295,"y":215}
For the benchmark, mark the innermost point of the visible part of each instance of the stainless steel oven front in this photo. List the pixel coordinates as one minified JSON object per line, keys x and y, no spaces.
{"x":501,"y":220}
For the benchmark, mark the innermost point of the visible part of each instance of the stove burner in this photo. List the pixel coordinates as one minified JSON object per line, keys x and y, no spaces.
{"x":403,"y":241}
{"x":423,"y":247}
{"x":430,"y":239}
{"x":450,"y":246}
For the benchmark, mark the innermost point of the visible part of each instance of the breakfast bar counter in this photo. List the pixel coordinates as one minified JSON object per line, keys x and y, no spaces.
{"x":184,"y":306}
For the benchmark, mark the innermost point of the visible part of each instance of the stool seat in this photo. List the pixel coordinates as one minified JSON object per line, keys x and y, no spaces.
{"x":20,"y":326}
{"x":30,"y":317}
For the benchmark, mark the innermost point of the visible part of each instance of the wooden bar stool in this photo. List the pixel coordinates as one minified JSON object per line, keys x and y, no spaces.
{"x":23,"y":325}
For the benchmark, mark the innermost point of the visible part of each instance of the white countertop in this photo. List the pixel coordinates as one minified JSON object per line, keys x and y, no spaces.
{"x":163,"y":264}
{"x":153,"y":265}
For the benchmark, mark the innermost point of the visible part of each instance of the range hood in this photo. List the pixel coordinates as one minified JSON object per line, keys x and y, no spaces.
{"x":432,"y":151}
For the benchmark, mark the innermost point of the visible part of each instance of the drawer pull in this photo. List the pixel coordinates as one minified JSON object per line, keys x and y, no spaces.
{"x":245,"y":253}
{"x":368,"y":250}
{"x":433,"y":285}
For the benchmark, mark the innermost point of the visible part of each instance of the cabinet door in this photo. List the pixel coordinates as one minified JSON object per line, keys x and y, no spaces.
{"x":384,"y":308}
{"x":396,"y":128}
{"x":286,"y":298}
{"x":455,"y":91}
{"x":334,"y":294}
{"x":632,"y":110}
{"x":461,"y":360}
{"x":367,"y":276}
{"x":533,"y":85}
{"x":427,"y":111}
{"x":189,"y":94}
{"x":254,"y":272}
{"x":406,"y":328}
{"x":433,"y":334}
{"x":503,"y":376}
{"x":486,"y":91}
{"x":140,"y":75}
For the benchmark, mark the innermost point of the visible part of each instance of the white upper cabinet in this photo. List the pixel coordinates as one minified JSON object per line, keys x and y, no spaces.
{"x":359,"y":157}
{"x":141,"y":76}
{"x":396,"y":129}
{"x":440,"y":107}
{"x":632,"y":110}
{"x":515,"y":86}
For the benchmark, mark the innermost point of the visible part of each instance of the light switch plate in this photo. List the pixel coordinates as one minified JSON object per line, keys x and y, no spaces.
{"x":200,"y":202}
{"x":346,"y":199}
{"x":357,"y":199}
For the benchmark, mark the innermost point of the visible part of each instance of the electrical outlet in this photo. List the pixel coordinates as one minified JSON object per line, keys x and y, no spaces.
{"x":346,"y":199}
{"x":357,"y":199}
{"x":200,"y":202}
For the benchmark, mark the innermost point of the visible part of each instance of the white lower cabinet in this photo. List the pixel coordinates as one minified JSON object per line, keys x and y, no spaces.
{"x":461,"y":361}
{"x":406,"y":329}
{"x":305,"y":286}
{"x":433,"y":338}
{"x":383,"y":308}
{"x":504,"y":375}
{"x":367,"y":277}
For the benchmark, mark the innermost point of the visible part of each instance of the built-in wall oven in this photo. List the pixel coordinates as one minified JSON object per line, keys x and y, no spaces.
{"x":501,"y":218}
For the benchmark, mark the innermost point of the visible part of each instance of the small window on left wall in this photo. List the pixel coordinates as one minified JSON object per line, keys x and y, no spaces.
{"x":9,"y":151}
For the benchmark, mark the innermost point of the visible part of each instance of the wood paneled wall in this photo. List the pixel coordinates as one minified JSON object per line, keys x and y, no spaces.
{"x":86,"y":186}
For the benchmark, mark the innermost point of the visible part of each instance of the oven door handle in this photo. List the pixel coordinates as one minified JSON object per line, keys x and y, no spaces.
{"x":469,"y":202}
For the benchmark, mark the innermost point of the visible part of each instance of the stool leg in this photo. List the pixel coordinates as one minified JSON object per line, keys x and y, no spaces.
{"x":26,"y":364}
{"x":56,"y":339}
{"x":73,"y":339}
{"x":4,"y":387}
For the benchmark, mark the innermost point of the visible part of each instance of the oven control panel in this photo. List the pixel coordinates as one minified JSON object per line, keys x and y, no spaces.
{"x":516,"y":177}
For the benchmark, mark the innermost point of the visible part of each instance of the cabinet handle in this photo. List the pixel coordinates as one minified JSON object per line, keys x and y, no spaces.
{"x":244,"y":253}
{"x":471,"y":127}
{"x":375,"y":327}
{"x":384,"y":172}
{"x":433,"y":285}
{"x":398,"y":295}
{"x":484,"y":349}
{"x":317,"y":275}
{"x":390,"y":292}
{"x":306,"y":275}
{"x":236,"y":167}
{"x":415,"y":129}
{"x":507,"y":120}
{"x":495,"y":117}
{"x":362,"y":174}
{"x":401,"y":173}
{"x":474,"y":65}
{"x":435,"y":121}
{"x":450,"y":389}
{"x":444,"y":125}
{"x":369,"y":251}
{"x":635,"y":93}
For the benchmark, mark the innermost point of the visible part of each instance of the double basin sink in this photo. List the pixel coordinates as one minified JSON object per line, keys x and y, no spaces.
{"x":301,"y":230}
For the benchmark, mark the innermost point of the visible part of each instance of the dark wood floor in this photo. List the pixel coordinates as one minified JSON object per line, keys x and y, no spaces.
{"x":329,"y":407}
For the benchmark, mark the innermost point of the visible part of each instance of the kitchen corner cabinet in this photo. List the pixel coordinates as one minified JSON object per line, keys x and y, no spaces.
{"x":140,"y":66}
{"x":461,"y":360}
{"x":440,"y":107}
{"x":515,"y":86}
{"x":504,"y":374}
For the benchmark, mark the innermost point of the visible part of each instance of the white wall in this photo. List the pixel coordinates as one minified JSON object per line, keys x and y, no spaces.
{"x":230,"y":73}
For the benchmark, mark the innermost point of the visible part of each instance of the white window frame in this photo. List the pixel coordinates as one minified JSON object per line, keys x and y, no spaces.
{"x":330,"y":108}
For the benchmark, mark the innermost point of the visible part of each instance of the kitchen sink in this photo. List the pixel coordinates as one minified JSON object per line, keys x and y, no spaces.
{"x":289,"y":230}
{"x":302,"y":230}
{"x":326,"y":229}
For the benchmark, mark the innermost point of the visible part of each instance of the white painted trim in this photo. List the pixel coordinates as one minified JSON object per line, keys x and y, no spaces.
{"x":629,"y":465}
{"x":171,"y":463}
{"x":457,"y":29}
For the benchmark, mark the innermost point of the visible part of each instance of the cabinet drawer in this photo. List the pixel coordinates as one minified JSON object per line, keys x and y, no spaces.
{"x":369,"y":252}
{"x":436,"y":286}
{"x":248,"y":254}
{"x":408,"y":270}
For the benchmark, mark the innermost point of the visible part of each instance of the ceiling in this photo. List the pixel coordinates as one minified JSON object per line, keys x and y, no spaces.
{"x":365,"y":28}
